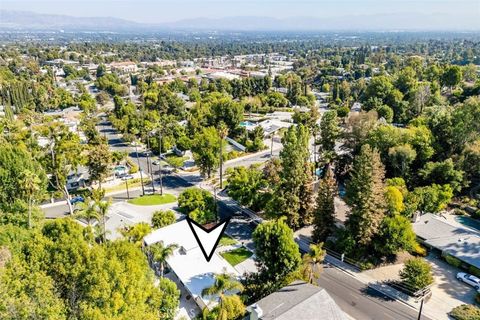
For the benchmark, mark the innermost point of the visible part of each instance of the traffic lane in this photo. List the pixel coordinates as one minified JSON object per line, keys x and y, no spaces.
{"x":360,"y":301}
{"x":170,"y":182}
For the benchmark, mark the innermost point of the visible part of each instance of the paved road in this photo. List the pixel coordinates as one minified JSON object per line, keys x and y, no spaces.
{"x":171,"y":184}
{"x":361,"y":302}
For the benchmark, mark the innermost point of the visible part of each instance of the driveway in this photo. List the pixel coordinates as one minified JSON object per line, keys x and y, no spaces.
{"x":447,"y":291}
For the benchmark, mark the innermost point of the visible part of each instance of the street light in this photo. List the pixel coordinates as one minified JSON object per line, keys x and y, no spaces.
{"x":160,"y":160}
{"x":139,"y":167}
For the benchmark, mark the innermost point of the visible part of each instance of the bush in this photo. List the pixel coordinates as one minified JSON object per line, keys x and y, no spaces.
{"x":163,"y":218}
{"x":416,"y":274}
{"x":475,"y":271}
{"x":453,"y":261}
{"x":465,"y":312}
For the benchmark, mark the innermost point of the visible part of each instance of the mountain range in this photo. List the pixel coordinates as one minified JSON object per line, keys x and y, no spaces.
{"x":23,"y":20}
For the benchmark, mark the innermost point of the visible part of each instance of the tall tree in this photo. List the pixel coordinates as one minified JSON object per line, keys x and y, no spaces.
{"x":329,"y":132}
{"x":366,"y":196}
{"x":293,"y":196}
{"x":160,"y":253}
{"x":274,"y":263}
{"x":230,"y":306}
{"x":312,"y":263}
{"x":324,"y":214}
{"x":206,"y":148}
{"x":31,"y":186}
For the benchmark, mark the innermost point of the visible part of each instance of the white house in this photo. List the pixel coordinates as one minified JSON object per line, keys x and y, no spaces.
{"x":188,"y":263}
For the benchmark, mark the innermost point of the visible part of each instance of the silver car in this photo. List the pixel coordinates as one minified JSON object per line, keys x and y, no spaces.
{"x":469,"y":279}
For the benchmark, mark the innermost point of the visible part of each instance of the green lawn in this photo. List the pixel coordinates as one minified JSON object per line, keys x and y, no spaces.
{"x":236,"y":256}
{"x":152,"y":200}
{"x":226,"y":241}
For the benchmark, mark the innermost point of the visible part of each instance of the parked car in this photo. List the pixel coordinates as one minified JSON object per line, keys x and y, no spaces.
{"x":469,"y":279}
{"x":76,"y":199}
{"x":127,"y":177}
{"x":155,"y":162}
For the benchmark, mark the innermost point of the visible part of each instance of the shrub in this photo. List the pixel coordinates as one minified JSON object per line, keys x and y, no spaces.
{"x":475,"y":271}
{"x":163,"y":218}
{"x":453,"y":261}
{"x":465,"y":312}
{"x":416,"y":274}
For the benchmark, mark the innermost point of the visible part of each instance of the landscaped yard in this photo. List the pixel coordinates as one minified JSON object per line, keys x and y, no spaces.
{"x":227,"y":241}
{"x":152,"y":200}
{"x":236,"y":256}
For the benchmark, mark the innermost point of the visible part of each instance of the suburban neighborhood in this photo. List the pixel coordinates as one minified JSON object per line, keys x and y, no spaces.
{"x":235,"y":168}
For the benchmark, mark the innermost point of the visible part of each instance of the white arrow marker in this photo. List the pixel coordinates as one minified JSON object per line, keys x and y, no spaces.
{"x":208,"y":239}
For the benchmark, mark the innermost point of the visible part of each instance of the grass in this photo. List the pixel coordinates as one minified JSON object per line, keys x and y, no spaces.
{"x":133,"y":183}
{"x":152,"y":200}
{"x":236,"y":256}
{"x":227,"y":241}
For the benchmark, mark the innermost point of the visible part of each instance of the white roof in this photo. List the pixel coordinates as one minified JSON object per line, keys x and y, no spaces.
{"x":189,"y":264}
{"x":178,"y":233}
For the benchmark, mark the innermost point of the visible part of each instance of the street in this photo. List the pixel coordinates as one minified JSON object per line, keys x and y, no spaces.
{"x":361,"y":302}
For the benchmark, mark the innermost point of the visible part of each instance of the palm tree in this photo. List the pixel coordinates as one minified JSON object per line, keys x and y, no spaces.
{"x":222,"y":133}
{"x":223,"y":284}
{"x":312,"y":263}
{"x":103,"y":206}
{"x":30,"y":187}
{"x":88,"y":211}
{"x":160,"y":253}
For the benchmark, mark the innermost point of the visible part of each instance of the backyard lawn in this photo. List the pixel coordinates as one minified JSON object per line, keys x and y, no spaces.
{"x":152,"y":200}
{"x":236,"y":256}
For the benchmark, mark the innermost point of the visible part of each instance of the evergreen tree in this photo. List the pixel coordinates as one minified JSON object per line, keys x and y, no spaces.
{"x":324,"y":214}
{"x":366,"y":196}
{"x":293,"y":196}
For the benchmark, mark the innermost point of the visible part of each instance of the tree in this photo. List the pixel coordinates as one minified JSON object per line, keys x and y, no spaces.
{"x":197,"y":200}
{"x":400,"y":158}
{"x":452,"y":76}
{"x":99,"y":160}
{"x":230,"y":307}
{"x":430,"y":199}
{"x":329,"y":131}
{"x":245,"y":185}
{"x":136,"y":233}
{"x":293,"y":196}
{"x":442,"y":173}
{"x":365,"y":195}
{"x":276,"y":264}
{"x":222,"y":134}
{"x":324,"y":214}
{"x":31,"y":185}
{"x":312,"y":263}
{"x":88,"y":210}
{"x":396,"y":234}
{"x":160,"y":253}
{"x":206,"y":148}
{"x":102,"y":207}
{"x":163,"y":218}
{"x":416,"y":274}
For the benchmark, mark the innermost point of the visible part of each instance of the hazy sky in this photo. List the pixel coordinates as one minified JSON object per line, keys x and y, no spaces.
{"x":152,"y":11}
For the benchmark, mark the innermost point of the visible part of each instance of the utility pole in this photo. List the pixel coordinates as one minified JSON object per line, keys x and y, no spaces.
{"x":160,"y":160}
{"x":149,"y":163}
{"x":139,"y":168}
{"x":128,"y":193}
{"x":271,"y":145}
{"x":421,"y":307}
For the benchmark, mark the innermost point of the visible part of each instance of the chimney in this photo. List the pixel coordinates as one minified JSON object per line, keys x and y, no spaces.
{"x":256,"y":312}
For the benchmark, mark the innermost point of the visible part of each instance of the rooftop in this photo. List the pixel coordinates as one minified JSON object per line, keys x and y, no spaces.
{"x":299,"y":301}
{"x":188,"y":262}
{"x":462,"y":243}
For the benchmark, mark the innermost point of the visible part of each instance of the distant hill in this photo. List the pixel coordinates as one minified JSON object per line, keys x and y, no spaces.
{"x":22,"y":20}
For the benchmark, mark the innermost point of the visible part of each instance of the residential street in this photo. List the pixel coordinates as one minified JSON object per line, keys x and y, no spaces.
{"x":361,"y":302}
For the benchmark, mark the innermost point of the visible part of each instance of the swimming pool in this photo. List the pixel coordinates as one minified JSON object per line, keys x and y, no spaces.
{"x":468,"y":222}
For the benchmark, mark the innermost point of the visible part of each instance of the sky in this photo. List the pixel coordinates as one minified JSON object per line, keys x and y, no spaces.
{"x":158,"y":11}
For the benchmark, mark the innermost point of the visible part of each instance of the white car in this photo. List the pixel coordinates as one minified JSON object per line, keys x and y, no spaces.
{"x":469,"y":279}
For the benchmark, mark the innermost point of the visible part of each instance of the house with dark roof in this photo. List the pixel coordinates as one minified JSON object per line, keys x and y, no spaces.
{"x":300,"y":301}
